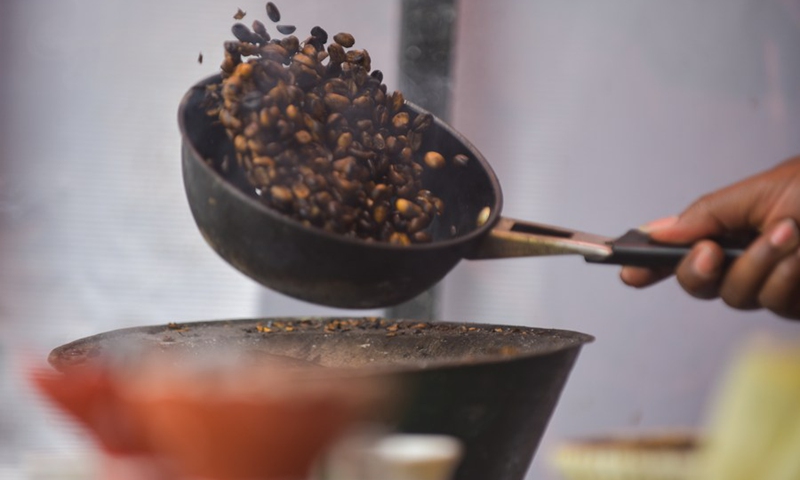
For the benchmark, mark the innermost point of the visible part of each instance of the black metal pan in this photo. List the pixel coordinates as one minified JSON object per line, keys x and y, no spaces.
{"x":494,"y":387}
{"x":311,"y":264}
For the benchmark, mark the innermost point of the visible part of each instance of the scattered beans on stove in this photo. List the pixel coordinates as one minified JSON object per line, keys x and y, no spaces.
{"x":321,"y":139}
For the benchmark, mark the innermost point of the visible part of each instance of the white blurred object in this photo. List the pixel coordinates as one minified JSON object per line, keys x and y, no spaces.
{"x":74,"y":465}
{"x":370,"y":456}
{"x":417,"y":457}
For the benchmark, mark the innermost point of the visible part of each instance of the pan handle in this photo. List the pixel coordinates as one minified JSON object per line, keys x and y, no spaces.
{"x":516,"y":238}
{"x":636,"y":248}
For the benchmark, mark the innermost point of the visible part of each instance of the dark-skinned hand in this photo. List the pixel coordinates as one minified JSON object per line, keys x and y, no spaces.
{"x":767,"y":275}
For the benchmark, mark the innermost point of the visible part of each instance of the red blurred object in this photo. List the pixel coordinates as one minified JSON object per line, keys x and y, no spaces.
{"x":228,"y":423}
{"x":91,"y":397}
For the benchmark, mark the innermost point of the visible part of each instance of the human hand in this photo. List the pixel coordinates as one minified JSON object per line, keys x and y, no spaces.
{"x":767,"y":275}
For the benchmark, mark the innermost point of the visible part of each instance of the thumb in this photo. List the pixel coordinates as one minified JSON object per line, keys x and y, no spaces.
{"x":728,"y":210}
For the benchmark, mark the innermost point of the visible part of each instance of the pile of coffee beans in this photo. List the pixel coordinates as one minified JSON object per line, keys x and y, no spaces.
{"x":320,"y":138}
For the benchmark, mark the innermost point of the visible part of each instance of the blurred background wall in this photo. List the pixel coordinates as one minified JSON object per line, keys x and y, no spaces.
{"x":597,"y":116}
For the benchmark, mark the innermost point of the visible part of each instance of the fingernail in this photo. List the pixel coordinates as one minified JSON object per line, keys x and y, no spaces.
{"x":659,"y":224}
{"x":705,"y":265}
{"x":784,"y":234}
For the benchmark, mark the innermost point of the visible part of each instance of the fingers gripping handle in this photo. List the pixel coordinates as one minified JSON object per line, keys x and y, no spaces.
{"x":636,"y":248}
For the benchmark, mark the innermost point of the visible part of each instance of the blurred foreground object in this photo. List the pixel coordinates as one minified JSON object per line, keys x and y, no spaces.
{"x":755,"y":423}
{"x":417,"y":457}
{"x":670,"y":456}
{"x":754,"y":430}
{"x":373,"y":456}
{"x":167,"y":417}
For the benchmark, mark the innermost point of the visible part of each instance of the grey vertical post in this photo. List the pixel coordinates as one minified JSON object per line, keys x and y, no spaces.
{"x":426,"y":50}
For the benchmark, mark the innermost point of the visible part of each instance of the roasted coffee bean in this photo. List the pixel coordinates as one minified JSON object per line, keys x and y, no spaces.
{"x":303,"y":137}
{"x":418,"y":223}
{"x":381,"y":115}
{"x":273,"y":13}
{"x":395,"y":177}
{"x":364,"y":125}
{"x":461,"y":160}
{"x":261,"y":30}
{"x":264,"y":118}
{"x":285,"y":129}
{"x":399,"y":239}
{"x":244,"y":71}
{"x":346,"y":165}
{"x":290,"y":43}
{"x":282,"y":195}
{"x":275,"y":52}
{"x":422,"y":122}
{"x":363,"y":102}
{"x":232,"y":47}
{"x":256,"y":146}
{"x":407,"y":208}
{"x":320,"y":34}
{"x":366,"y":138}
{"x":295,"y":93}
{"x":304,"y":59}
{"x":280,"y":94}
{"x":336,"y":85}
{"x":229,"y":121}
{"x":337,"y":53}
{"x":422,"y":237}
{"x":483,"y":216}
{"x":227,"y":65}
{"x":252,"y":101}
{"x":301,"y":191}
{"x":400,"y":122}
{"x":240,"y":143}
{"x":406,"y":154}
{"x":251,"y":130}
{"x":377,"y":75}
{"x":293,"y":113}
{"x":414,"y":140}
{"x":344,"y":39}
{"x":362,"y":154}
{"x":392,"y":145}
{"x":434,"y":160}
{"x":344,"y":141}
{"x":309,"y":50}
{"x":286,"y":29}
{"x":397,"y":101}
{"x":336,"y":102}
{"x":264,"y":161}
{"x":260,"y":176}
{"x":406,"y":190}
{"x":334,"y":120}
{"x":239,"y":14}
{"x":243,"y":34}
{"x":354,"y":56}
{"x":378,"y":142}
